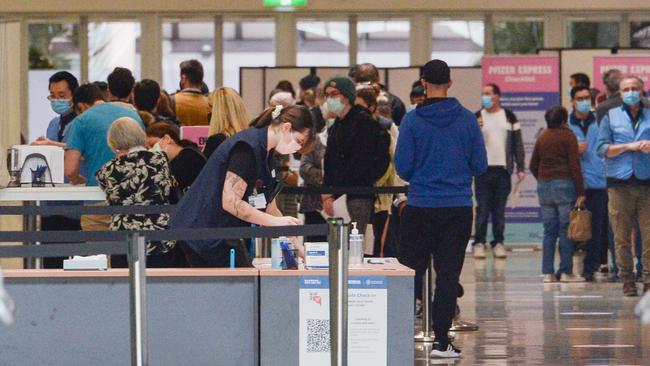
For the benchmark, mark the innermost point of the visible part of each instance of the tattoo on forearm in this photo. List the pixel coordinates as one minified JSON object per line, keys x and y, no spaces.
{"x":235,"y":187}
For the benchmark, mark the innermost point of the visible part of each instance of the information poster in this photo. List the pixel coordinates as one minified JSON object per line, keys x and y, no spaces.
{"x":529,"y":86}
{"x":367,"y":321}
{"x":196,"y":134}
{"x":629,"y":65}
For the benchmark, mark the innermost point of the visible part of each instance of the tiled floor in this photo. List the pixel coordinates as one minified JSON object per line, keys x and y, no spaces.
{"x":525,"y":322}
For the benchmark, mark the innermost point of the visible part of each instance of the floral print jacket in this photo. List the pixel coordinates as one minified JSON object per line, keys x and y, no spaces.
{"x":138,"y":178}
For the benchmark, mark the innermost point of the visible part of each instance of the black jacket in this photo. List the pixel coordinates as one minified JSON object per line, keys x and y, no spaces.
{"x":350,"y":147}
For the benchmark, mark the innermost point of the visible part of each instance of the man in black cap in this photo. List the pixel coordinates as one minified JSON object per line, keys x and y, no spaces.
{"x":439,"y":149}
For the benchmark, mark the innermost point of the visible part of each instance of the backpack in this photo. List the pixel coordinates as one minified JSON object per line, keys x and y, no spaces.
{"x":381,"y":153}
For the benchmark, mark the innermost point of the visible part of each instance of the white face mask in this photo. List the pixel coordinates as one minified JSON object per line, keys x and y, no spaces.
{"x":287,"y":145}
{"x":335,"y":105}
{"x":156,"y":148}
{"x":330,"y":122}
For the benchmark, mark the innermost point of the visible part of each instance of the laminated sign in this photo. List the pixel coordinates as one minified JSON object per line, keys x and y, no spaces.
{"x":367,"y":321}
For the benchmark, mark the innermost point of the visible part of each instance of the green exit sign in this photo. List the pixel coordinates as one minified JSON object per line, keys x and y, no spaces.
{"x":278,"y":3}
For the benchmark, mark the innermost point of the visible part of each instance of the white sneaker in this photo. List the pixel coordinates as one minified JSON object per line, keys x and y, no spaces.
{"x":440,"y":351}
{"x":550,"y":278}
{"x":479,"y":251}
{"x":500,"y":251}
{"x":571,"y":278}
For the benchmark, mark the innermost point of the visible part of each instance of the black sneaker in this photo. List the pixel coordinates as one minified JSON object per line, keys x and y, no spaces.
{"x":589,"y":277}
{"x":440,"y":350}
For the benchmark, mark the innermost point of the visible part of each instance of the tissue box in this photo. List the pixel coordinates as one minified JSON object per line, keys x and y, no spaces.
{"x":317,"y":255}
{"x":93,"y":262}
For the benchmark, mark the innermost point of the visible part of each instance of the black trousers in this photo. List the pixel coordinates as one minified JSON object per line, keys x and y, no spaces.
{"x":220,"y":256}
{"x":175,"y":258}
{"x":378,"y":222}
{"x":442,"y":233}
{"x":57,"y":223}
{"x":314,"y":218}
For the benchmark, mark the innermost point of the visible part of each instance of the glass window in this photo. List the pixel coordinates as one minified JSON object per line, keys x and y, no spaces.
{"x":247,"y":43}
{"x":322,"y":43}
{"x":52,"y":47}
{"x":113,"y":44}
{"x":512,"y":37}
{"x":592,"y":34}
{"x":185,"y":41}
{"x":640,"y":34}
{"x":459,"y":42}
{"x":384,"y":43}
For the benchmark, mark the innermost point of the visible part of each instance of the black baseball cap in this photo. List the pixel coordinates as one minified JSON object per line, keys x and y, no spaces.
{"x":436,"y":72}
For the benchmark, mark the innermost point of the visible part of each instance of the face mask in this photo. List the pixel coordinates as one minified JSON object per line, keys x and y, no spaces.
{"x":411,"y":107}
{"x":60,"y":106}
{"x":156,"y":148}
{"x":584,"y":106}
{"x":335,"y":105}
{"x":330,"y":122}
{"x":631,"y":97}
{"x":486,"y":101}
{"x":287,"y":145}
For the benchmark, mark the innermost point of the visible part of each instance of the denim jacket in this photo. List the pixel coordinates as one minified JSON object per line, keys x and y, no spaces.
{"x":616,"y":128}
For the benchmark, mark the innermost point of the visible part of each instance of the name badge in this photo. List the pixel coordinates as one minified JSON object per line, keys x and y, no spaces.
{"x":258,"y":201}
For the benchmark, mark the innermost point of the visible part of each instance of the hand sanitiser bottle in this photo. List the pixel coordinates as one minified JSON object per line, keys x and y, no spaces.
{"x":356,"y":246}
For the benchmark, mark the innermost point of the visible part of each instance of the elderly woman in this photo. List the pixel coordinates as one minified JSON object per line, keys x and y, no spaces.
{"x":137,"y":177}
{"x":556,"y":166}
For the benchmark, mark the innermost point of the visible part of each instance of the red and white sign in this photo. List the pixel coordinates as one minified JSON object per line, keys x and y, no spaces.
{"x":196,"y":134}
{"x":629,"y":65}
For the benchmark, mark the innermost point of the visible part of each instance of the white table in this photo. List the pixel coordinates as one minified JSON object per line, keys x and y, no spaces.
{"x":33,"y":196}
{"x":58,"y":193}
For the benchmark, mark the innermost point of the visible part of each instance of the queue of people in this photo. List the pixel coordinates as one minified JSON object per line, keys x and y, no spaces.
{"x":351,"y":132}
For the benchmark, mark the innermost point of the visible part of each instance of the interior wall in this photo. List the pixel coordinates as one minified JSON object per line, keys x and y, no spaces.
{"x":466,"y":87}
{"x":11,"y":112}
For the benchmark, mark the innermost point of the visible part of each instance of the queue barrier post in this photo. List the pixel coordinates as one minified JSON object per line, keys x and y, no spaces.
{"x":338,"y":290}
{"x":137,"y":256}
{"x":426,"y":335}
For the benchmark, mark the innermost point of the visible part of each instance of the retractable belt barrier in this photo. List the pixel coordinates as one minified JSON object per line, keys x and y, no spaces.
{"x":134,"y":245}
{"x":183,"y":234}
{"x":158,"y":209}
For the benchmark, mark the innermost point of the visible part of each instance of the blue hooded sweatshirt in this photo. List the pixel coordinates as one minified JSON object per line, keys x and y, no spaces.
{"x":439,"y":149}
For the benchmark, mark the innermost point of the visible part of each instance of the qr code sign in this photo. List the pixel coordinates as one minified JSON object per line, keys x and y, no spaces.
{"x":318,"y":335}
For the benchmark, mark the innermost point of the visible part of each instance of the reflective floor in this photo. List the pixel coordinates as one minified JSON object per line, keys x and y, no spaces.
{"x":525,"y":322}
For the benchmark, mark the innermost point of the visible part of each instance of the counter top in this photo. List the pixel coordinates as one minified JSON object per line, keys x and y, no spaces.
{"x":123,"y":272}
{"x":391,"y":268}
{"x":58,"y":193}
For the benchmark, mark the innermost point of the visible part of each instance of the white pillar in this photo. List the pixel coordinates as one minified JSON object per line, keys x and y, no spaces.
{"x":218,"y":51}
{"x":420,"y":39}
{"x":285,"y":39}
{"x":151,"y":47}
{"x":353,"y":42}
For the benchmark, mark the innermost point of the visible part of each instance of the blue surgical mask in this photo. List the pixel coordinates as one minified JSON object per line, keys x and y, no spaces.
{"x":60,"y":106}
{"x":584,"y":106}
{"x":486,"y":101}
{"x":335,"y":106}
{"x":631,"y":97}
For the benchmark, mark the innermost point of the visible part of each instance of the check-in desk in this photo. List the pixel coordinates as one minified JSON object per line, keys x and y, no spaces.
{"x":195,"y":317}
{"x":280,"y":292}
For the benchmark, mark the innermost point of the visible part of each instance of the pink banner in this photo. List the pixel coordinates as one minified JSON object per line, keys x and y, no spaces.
{"x":629,"y":65}
{"x":196,"y":134}
{"x":522,"y":73}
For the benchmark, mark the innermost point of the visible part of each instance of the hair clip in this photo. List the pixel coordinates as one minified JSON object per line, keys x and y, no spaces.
{"x":276,"y":111}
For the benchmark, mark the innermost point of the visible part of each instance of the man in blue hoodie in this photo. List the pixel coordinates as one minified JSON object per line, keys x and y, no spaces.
{"x":439,"y":149}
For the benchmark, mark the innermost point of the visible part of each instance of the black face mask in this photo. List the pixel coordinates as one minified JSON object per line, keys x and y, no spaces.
{"x":180,"y":85}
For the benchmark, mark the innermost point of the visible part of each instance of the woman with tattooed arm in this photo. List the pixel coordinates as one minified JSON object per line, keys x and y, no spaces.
{"x":237,"y":186}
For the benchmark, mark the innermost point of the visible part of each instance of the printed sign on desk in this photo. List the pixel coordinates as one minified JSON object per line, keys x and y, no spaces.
{"x":629,"y":65}
{"x":529,"y":86}
{"x":196,"y":134}
{"x":367,"y":321}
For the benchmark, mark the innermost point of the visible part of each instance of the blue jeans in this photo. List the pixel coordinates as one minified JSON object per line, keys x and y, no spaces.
{"x":556,"y":197}
{"x":492,"y":190}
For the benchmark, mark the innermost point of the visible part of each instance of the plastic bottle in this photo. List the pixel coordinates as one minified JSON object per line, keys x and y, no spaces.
{"x":356,"y":246}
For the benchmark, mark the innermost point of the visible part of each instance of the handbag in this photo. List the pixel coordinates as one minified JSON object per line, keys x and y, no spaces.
{"x":579,"y":224}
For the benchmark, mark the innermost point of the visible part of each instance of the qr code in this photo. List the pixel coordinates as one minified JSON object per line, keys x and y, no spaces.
{"x":318,"y":335}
